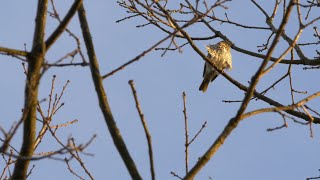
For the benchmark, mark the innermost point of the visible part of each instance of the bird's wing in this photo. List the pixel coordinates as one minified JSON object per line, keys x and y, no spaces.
{"x":230,"y":61}
{"x":204,"y":69}
{"x":212,"y":50}
{"x":205,"y":65}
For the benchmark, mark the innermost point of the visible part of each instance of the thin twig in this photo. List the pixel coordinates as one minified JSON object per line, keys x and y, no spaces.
{"x":146,"y":130}
{"x":197,"y":134}
{"x":71,"y":171}
{"x":186,"y":132}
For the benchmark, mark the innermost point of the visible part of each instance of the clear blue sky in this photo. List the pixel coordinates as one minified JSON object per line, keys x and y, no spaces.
{"x":249,"y":153}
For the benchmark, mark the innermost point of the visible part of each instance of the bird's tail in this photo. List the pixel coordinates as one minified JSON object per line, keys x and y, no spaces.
{"x":204,"y":85}
{"x":206,"y":80}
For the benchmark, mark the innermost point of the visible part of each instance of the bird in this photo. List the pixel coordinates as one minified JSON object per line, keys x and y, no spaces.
{"x":220,"y":55}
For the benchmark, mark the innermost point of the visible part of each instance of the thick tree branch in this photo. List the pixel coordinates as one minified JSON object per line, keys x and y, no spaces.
{"x":10,"y":51}
{"x":102,"y":97}
{"x":35,"y":59}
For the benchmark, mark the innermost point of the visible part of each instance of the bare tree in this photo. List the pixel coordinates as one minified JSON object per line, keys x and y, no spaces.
{"x":173,"y":19}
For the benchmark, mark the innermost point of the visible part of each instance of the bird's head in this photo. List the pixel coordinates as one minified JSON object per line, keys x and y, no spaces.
{"x":222,"y":45}
{"x":226,"y":42}
{"x":225,"y":45}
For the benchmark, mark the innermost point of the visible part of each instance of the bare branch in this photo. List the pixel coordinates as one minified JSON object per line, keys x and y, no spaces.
{"x":62,"y":26}
{"x":103,"y":102}
{"x":35,"y":59}
{"x":235,"y":121}
{"x":145,"y":127}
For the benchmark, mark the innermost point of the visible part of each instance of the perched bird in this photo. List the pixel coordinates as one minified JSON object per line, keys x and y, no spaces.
{"x":220,"y":55}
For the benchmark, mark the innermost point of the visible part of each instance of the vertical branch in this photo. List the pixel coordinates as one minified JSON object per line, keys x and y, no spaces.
{"x":35,"y":60}
{"x":186,"y":132}
{"x":145,"y":127}
{"x":290,"y":78}
{"x":102,"y":97}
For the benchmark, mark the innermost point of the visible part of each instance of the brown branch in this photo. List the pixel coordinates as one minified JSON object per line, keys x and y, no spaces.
{"x":283,"y":54}
{"x":237,"y":24}
{"x":154,"y":22}
{"x":9,"y":136}
{"x":197,"y":134}
{"x":137,"y":58}
{"x":15,"y":52}
{"x":30,"y":171}
{"x":35,"y":59}
{"x":145,"y":127}
{"x":102,"y":97}
{"x":71,"y":148}
{"x":235,"y":121}
{"x":244,"y":88}
{"x":290,"y":78}
{"x":312,"y":62}
{"x":318,"y":114}
{"x":236,"y":83}
{"x":47,"y":119}
{"x":311,"y":120}
{"x":301,"y":61}
{"x":271,"y":101}
{"x":8,"y":163}
{"x":56,"y":15}
{"x":64,"y":124}
{"x":71,"y":171}
{"x":256,"y":94}
{"x":283,"y":34}
{"x":283,"y":108}
{"x":176,"y":30}
{"x":284,"y":125}
{"x":63,"y":25}
{"x":186,"y":132}
{"x":83,"y":64}
{"x":175,"y":175}
{"x":265,"y":46}
{"x":274,"y":84}
{"x":77,"y":156}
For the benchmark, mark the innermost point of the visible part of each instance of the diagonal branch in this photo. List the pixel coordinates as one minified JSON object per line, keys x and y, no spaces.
{"x":63,"y":25}
{"x":145,"y":127}
{"x":300,"y":61}
{"x":243,"y":87}
{"x":176,"y":31}
{"x":239,"y":85}
{"x":284,"y":61}
{"x":233,"y":123}
{"x":102,"y":97}
{"x":283,"y":34}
